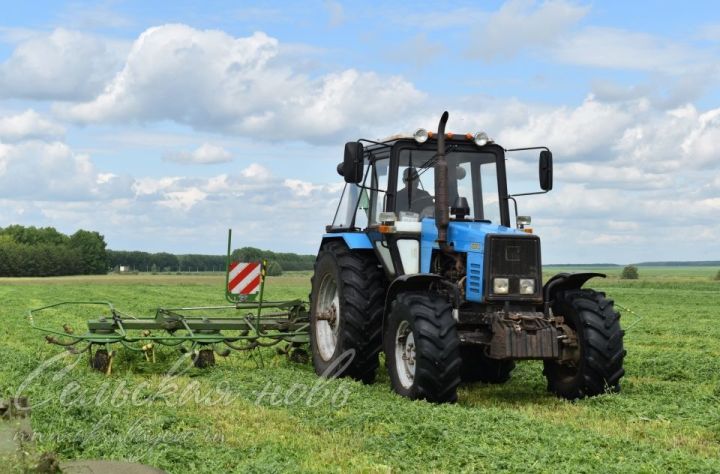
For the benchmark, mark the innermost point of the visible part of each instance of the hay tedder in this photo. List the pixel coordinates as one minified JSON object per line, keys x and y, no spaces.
{"x":201,"y":331}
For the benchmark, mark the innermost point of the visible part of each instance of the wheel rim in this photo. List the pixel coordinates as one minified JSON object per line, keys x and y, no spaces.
{"x":566,"y":372}
{"x":405,"y":354}
{"x":327,"y":317}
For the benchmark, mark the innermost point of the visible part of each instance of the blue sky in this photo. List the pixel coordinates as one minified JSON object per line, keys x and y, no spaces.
{"x":163,"y":124}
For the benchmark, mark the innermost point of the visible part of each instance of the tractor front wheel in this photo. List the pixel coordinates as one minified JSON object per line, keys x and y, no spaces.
{"x":422,"y":348}
{"x":598,"y":366}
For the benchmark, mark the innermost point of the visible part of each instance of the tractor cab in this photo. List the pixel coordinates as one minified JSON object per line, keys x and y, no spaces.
{"x":398,"y":176}
{"x":390,"y":196}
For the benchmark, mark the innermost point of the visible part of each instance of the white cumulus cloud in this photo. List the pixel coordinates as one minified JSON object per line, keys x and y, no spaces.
{"x":28,"y":125}
{"x":61,"y":65}
{"x":676,"y":140}
{"x":36,"y":170}
{"x":575,"y":131}
{"x":256,"y":171}
{"x":183,"y":200}
{"x":213,"y":81}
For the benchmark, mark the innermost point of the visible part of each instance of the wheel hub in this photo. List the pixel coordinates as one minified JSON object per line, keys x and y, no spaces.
{"x":327,"y":317}
{"x":405,"y":356}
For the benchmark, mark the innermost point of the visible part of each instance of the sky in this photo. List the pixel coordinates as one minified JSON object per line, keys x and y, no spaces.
{"x":163,"y":124}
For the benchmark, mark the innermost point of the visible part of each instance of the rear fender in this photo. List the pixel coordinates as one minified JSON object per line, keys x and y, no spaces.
{"x":413,"y":282}
{"x":354,"y":240}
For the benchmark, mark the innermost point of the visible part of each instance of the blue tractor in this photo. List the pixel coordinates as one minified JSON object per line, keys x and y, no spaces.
{"x":421,"y":262}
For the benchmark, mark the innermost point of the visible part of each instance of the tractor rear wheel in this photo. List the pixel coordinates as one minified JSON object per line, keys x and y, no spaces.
{"x":477,"y":367}
{"x":599,"y":365}
{"x":422,"y":348}
{"x":348,"y":291}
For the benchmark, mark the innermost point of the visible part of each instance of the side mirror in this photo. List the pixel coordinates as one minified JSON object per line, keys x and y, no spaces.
{"x":546,"y":170}
{"x":353,"y":162}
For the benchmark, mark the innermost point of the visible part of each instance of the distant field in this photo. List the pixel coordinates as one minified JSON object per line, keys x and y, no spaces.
{"x":665,"y":419}
{"x":653,"y":273}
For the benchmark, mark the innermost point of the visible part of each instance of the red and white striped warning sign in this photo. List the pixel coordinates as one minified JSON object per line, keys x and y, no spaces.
{"x":244,"y":278}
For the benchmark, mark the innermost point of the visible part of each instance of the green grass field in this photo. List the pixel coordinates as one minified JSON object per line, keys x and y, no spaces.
{"x":238,"y":417}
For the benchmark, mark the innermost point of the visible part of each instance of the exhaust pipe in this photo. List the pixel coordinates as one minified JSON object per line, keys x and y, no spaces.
{"x":442,"y":205}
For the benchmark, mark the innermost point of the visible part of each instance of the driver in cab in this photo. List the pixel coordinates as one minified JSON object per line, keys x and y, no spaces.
{"x":411,"y":197}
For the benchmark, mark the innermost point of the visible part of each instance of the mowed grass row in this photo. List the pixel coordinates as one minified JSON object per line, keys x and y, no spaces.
{"x":280,"y":417}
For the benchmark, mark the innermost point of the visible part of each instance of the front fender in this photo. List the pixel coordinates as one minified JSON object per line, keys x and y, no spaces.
{"x":413,"y":282}
{"x":566,"y":281}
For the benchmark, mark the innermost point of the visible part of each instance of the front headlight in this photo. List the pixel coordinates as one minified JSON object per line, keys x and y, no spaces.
{"x":527,"y":286}
{"x":501,"y":286}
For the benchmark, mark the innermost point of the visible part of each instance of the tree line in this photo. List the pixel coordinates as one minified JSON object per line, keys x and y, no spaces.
{"x":43,"y":251}
{"x":164,"y":262}
{"x":32,"y":251}
{"x":167,"y":262}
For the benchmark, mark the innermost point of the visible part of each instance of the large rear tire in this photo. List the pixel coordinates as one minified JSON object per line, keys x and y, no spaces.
{"x":599,"y":365}
{"x":347,"y":298}
{"x":422,"y":348}
{"x":477,"y":367}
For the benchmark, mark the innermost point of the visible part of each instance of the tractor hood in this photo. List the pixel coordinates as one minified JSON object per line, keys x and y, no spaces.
{"x":465,"y":236}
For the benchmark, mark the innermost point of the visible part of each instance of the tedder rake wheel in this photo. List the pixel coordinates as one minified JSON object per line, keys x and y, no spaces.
{"x":100,"y":360}
{"x":422,"y":348}
{"x":477,"y":367}
{"x":299,"y":355}
{"x":204,"y":358}
{"x":348,"y":290}
{"x":599,"y":364}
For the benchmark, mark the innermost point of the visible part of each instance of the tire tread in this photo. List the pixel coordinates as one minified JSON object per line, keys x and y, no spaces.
{"x":363,"y":294}
{"x":602,"y":353}
{"x":436,"y":380}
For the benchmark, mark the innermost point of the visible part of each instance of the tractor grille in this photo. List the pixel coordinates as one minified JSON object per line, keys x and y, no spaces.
{"x":513,"y":257}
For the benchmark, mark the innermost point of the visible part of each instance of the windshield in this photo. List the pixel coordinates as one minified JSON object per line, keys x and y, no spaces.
{"x":470,"y":175}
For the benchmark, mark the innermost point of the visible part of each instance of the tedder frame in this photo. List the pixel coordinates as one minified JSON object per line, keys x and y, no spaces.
{"x":199,"y":331}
